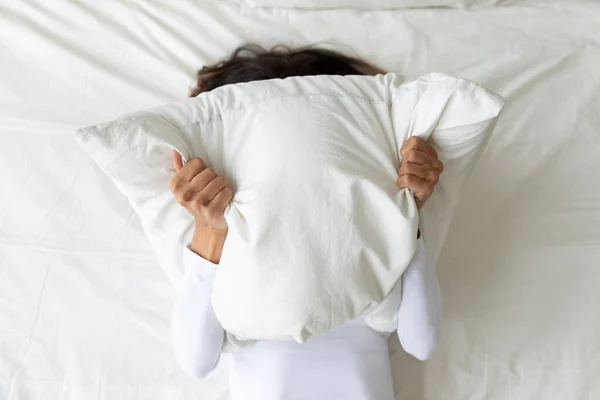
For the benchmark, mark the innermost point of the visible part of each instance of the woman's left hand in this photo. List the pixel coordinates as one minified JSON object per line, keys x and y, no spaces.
{"x":420,"y":169}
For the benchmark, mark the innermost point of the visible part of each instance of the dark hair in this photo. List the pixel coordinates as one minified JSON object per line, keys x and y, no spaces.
{"x":253,"y":63}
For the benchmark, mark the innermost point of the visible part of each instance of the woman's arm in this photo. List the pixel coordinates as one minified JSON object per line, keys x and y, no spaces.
{"x":420,"y":312}
{"x":197,"y":334}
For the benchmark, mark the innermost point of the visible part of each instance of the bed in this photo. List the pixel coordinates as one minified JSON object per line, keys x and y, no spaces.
{"x":84,"y":305}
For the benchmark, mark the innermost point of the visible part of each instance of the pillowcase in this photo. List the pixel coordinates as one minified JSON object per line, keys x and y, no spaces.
{"x":319,"y":233}
{"x":377,"y":4}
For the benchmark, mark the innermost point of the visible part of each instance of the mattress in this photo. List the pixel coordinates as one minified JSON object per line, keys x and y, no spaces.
{"x":84,"y":305}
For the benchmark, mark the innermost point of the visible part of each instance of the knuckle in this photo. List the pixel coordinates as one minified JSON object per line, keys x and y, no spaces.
{"x":196,"y":162}
{"x":176,"y":186}
{"x":202,"y":199}
{"x":219,"y":180}
{"x":186,"y":195}
{"x":210,"y":173}
{"x":415,"y":140}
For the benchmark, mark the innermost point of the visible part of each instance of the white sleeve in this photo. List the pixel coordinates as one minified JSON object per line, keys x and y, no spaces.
{"x":197,"y":334}
{"x":420,"y":312}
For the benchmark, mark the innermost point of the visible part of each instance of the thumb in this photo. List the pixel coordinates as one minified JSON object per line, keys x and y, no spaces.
{"x":177,"y":160}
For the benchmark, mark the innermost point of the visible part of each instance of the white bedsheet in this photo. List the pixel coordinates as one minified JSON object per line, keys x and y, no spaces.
{"x":84,"y":307}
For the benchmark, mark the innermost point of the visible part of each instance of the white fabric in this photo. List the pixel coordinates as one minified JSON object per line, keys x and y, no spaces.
{"x":319,"y":233}
{"x":349,"y":362}
{"x":377,"y":4}
{"x":84,"y":305}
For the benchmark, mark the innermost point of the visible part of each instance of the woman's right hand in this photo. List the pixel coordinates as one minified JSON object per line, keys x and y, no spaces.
{"x":200,"y":191}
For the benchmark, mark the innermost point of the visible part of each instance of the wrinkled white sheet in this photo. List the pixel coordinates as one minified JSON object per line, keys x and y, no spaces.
{"x":84,"y":307}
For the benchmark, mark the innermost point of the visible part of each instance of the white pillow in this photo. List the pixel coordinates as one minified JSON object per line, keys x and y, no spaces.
{"x":319,"y":233}
{"x":376,"y":4}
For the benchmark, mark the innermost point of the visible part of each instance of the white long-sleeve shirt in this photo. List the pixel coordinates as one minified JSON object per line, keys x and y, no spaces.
{"x":349,"y":362}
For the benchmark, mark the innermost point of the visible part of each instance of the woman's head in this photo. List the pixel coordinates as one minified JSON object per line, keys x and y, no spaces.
{"x":254,"y":63}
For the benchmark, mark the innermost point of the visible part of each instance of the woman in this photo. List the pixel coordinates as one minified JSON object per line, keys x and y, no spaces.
{"x":349,"y":362}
